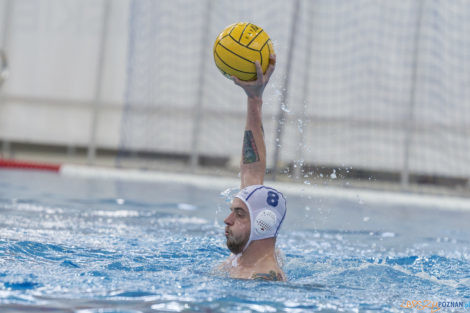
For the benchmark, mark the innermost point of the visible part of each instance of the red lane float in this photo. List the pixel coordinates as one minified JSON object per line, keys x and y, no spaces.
{"x":6,"y":163}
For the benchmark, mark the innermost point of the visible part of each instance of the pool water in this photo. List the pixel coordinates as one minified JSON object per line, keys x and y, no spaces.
{"x":91,"y":245}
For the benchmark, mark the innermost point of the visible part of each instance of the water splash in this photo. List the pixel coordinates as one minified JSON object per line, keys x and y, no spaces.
{"x":300,"y":126}
{"x":120,"y":201}
{"x":186,"y":207}
{"x":229,"y":193}
{"x":333,"y":175}
{"x":284,"y":108}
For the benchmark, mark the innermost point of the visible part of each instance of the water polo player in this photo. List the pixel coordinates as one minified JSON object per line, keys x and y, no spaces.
{"x":257,"y":211}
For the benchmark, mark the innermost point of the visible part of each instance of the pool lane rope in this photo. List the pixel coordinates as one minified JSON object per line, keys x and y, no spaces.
{"x":14,"y":164}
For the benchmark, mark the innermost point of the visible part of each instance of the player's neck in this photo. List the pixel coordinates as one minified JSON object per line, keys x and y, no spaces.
{"x":258,"y":251}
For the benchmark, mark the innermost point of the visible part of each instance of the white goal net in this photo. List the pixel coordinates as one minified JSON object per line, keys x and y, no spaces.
{"x":373,"y":85}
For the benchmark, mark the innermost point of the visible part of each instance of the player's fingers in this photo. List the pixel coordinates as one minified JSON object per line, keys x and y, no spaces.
{"x":259,"y":71}
{"x":269,"y":71}
{"x":236,"y":80}
{"x":272,"y":59}
{"x":271,"y":67}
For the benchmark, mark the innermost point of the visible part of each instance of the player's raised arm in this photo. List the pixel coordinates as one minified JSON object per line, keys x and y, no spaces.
{"x":253,"y":162}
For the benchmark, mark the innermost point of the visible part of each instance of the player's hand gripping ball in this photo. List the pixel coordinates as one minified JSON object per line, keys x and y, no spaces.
{"x":238,"y":47}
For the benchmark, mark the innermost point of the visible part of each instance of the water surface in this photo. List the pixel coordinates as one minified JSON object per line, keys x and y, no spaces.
{"x":84,"y":245}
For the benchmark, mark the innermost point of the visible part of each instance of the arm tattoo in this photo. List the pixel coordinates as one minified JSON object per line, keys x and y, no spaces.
{"x":250,"y":151}
{"x":271,"y":276}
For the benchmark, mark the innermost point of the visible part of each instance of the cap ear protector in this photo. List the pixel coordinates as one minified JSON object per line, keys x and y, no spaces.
{"x":265,"y":223}
{"x":267,"y":208}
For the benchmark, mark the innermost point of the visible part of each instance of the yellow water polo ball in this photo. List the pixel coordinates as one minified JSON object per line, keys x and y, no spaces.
{"x":238,"y":47}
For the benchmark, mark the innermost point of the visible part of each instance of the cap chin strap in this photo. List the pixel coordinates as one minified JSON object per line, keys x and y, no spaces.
{"x":247,"y":244}
{"x":235,"y":259}
{"x":251,"y":228}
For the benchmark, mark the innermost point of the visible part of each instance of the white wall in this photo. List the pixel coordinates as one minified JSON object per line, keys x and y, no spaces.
{"x":53,"y":50}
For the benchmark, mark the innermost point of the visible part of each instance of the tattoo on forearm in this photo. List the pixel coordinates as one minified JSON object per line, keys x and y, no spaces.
{"x":271,"y":276}
{"x":250,"y":151}
{"x":262,"y":129}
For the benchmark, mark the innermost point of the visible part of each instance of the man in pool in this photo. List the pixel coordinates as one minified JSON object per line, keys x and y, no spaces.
{"x":257,"y":211}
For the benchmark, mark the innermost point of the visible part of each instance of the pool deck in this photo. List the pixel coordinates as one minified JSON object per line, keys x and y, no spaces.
{"x":207,"y":181}
{"x":106,"y":166}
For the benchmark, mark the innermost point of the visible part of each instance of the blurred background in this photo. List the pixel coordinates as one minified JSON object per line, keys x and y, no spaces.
{"x":366,"y":93}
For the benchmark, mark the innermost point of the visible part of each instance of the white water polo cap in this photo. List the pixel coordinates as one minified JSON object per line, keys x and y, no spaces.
{"x":267,"y":208}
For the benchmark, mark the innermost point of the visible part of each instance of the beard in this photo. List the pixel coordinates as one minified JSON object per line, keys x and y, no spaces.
{"x":235,"y":245}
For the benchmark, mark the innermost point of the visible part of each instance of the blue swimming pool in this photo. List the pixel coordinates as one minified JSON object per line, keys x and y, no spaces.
{"x":91,"y":245}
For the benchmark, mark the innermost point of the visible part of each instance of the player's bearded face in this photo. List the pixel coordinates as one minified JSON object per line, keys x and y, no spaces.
{"x":237,"y":229}
{"x":236,"y":242}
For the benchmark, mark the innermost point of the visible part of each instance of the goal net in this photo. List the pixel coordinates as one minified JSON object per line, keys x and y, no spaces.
{"x":372,"y":85}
